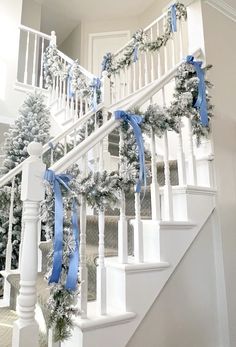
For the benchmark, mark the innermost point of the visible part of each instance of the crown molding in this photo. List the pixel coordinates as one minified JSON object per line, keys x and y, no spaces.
{"x":224,"y":8}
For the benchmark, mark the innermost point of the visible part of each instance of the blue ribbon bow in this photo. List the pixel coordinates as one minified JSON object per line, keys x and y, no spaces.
{"x":201,"y":103}
{"x":135,"y":121}
{"x":71,"y":281}
{"x":173,"y":17}
{"x":96,"y":85}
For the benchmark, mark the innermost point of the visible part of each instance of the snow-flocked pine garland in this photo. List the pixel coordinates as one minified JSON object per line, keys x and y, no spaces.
{"x":103,"y":189}
{"x":140,"y":42}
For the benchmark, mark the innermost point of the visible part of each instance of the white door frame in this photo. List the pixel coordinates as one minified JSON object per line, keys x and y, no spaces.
{"x":103,"y":34}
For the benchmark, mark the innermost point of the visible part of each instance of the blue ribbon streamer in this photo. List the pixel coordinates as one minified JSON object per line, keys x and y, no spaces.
{"x":201,"y":103}
{"x":69,"y":87}
{"x":135,"y":54}
{"x":71,"y":282}
{"x":135,"y":121}
{"x":173,"y":18}
{"x":96,"y":85}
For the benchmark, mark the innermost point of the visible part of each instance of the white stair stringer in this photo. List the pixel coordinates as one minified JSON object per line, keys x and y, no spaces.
{"x":133,"y":288}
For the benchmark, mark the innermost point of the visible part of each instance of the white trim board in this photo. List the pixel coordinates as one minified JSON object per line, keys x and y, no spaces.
{"x":223,"y":7}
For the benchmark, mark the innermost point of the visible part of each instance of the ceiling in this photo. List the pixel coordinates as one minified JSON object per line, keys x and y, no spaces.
{"x":63,"y":15}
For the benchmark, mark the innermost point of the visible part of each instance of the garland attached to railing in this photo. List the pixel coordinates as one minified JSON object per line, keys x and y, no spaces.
{"x":103,"y":189}
{"x":77,"y":83}
{"x":140,"y":42}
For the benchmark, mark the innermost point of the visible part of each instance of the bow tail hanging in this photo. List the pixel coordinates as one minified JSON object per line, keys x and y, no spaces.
{"x":135,"y":54}
{"x":135,"y":121}
{"x":201,"y":103}
{"x":72,"y":278}
{"x":173,"y":18}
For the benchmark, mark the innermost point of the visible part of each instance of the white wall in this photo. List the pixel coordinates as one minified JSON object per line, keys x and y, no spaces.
{"x":221,"y":52}
{"x":72,"y":45}
{"x":152,"y":12}
{"x":10,"y":17}
{"x":185,"y":313}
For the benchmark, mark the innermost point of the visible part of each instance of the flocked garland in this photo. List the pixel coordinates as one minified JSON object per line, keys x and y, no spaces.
{"x":77,"y":82}
{"x":103,"y":189}
{"x":141,"y":43}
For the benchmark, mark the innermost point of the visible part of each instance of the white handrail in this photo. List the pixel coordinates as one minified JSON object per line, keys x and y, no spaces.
{"x":33,"y":31}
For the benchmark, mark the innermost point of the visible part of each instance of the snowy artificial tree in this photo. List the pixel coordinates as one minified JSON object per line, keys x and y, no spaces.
{"x":31,"y":125}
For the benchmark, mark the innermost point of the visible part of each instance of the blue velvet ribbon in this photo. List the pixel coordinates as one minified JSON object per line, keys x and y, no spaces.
{"x":173,"y":18}
{"x":135,"y":53}
{"x":201,"y":103}
{"x":96,"y":85}
{"x":135,"y":121}
{"x":69,"y":87}
{"x":71,"y":281}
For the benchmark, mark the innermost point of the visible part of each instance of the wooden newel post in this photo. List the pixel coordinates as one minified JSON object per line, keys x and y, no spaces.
{"x":25,"y":329}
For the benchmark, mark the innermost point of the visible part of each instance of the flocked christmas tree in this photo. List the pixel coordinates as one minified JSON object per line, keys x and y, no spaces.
{"x":31,"y":125}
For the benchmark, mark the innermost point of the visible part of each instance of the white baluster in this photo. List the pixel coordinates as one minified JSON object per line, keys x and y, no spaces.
{"x":181,"y":160}
{"x":101,"y":270}
{"x":34,"y":60}
{"x":155,"y":192}
{"x":9,"y":239}
{"x":152,"y":58}
{"x":118,"y":81}
{"x":165,"y":49}
{"x":41,"y":65}
{"x":122,"y":224}
{"x":129,"y":80}
{"x":146,"y":70}
{"x":159,"y":72}
{"x":192,"y":179}
{"x":138,"y":231}
{"x":168,"y":198}
{"x":135,"y":74}
{"x":140,"y":71}
{"x":83,"y":272}
{"x":25,"y":329}
{"x":180,"y":40}
{"x":26,"y":59}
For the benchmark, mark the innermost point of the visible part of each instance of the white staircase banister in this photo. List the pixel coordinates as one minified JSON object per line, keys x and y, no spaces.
{"x":33,"y":31}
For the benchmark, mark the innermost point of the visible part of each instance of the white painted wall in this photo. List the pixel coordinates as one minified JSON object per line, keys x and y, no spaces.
{"x":130,"y":24}
{"x":10,"y":18}
{"x":71,"y":46}
{"x":152,"y":12}
{"x":222,"y":54}
{"x":185,"y":313}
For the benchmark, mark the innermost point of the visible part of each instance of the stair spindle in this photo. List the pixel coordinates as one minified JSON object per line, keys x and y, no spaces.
{"x":122,"y":224}
{"x":26,"y":58}
{"x":155,"y":192}
{"x":34,"y":60}
{"x":101,"y":270}
{"x":168,"y":199}
{"x":152,"y":58}
{"x":138,"y":231}
{"x":192,"y":170}
{"x":181,"y":160}
{"x":41,"y":65}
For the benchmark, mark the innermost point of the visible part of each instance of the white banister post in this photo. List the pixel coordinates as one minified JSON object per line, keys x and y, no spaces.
{"x":25,"y":329}
{"x":181,"y":160}
{"x":192,"y":170}
{"x":168,"y":198}
{"x":138,"y":231}
{"x":53,"y":40}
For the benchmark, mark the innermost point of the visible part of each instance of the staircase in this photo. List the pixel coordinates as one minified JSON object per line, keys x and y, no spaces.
{"x":138,"y":246}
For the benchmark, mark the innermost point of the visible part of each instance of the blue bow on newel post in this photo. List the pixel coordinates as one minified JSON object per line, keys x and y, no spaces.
{"x":201,"y":102}
{"x":56,"y":181}
{"x":134,"y":121}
